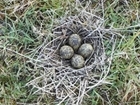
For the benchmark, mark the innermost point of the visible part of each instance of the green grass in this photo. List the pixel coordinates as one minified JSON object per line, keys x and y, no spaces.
{"x":23,"y":30}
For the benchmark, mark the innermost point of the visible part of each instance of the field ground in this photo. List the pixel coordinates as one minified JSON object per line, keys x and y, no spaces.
{"x":24,"y":24}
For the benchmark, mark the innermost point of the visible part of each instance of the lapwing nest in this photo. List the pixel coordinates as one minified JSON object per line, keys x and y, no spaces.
{"x":57,"y":78}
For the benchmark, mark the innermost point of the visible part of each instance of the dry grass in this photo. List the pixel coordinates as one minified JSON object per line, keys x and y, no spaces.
{"x":31,"y":70}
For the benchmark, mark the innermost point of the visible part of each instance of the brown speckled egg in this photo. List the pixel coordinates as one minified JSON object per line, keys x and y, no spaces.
{"x":66,"y":52}
{"x":74,"y":41}
{"x":85,"y":50}
{"x":77,"y":61}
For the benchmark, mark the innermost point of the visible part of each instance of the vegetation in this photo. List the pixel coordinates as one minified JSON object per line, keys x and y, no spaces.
{"x":26,"y":24}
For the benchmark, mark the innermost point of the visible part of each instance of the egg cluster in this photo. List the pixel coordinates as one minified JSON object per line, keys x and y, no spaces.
{"x":76,"y":51}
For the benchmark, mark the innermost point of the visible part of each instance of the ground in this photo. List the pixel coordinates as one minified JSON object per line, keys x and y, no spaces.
{"x":24,"y":26}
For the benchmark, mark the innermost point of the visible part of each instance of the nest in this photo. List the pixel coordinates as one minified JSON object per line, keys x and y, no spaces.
{"x":57,"y":78}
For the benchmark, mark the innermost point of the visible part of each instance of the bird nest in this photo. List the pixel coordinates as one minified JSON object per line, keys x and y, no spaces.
{"x":56,"y":77}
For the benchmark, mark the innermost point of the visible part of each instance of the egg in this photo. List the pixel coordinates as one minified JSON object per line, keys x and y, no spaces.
{"x":77,"y":61}
{"x":75,"y":41}
{"x":85,"y":50}
{"x":66,"y":52}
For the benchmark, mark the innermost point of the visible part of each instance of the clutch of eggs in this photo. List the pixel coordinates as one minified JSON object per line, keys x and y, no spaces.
{"x":76,"y":52}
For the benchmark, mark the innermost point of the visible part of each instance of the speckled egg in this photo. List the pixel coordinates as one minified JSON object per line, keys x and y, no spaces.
{"x":77,"y":61}
{"x":75,"y":41}
{"x":66,"y":52}
{"x":85,"y":50}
